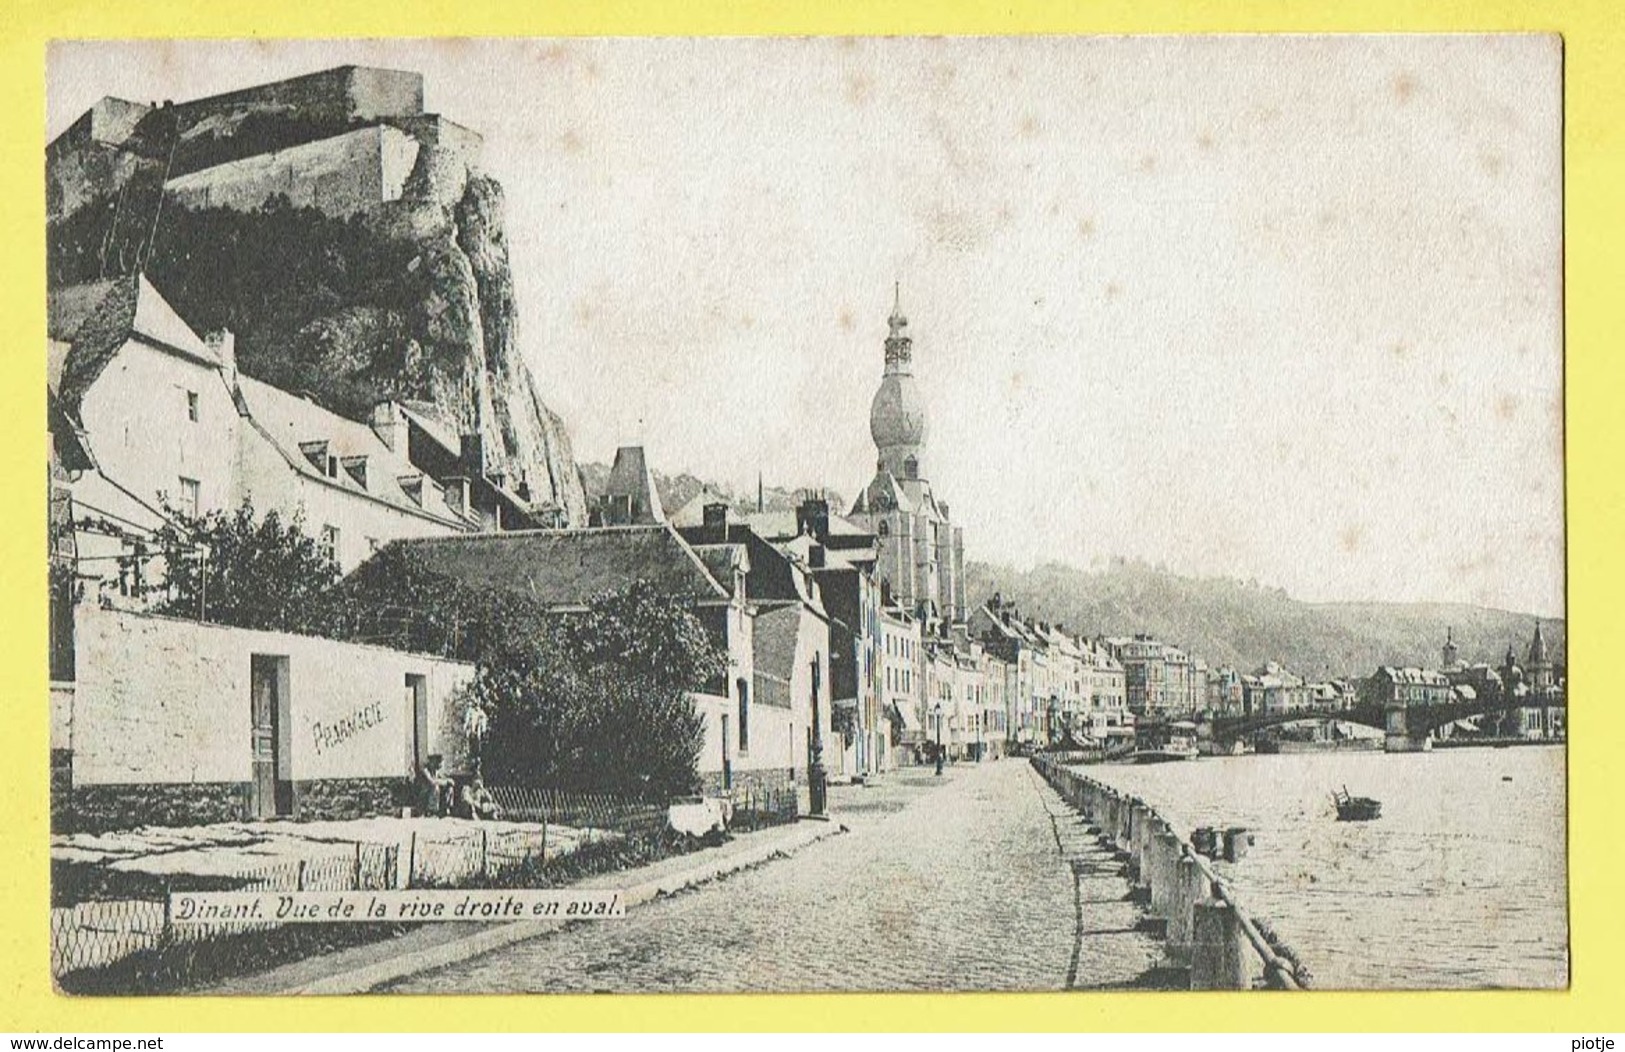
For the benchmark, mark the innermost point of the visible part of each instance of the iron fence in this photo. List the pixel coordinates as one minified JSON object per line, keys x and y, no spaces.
{"x":759,"y":807}
{"x":593,"y":816}
{"x":102,"y":916}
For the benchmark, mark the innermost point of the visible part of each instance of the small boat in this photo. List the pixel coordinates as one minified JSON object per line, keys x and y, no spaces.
{"x":1164,"y":742}
{"x":1165,"y":755}
{"x":1355,"y":808}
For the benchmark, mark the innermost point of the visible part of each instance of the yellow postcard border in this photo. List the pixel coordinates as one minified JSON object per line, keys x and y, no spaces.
{"x":1595,"y":296}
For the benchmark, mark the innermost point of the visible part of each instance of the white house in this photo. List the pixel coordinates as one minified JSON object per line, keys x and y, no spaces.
{"x":172,"y":426}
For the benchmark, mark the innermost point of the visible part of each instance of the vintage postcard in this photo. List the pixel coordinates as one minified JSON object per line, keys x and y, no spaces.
{"x":742,"y":515}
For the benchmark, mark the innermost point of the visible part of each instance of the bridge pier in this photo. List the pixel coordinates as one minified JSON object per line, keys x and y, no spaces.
{"x":1397,"y":734}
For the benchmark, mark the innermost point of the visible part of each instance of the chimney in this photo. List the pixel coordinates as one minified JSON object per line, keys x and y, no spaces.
{"x":615,"y":509}
{"x":714,"y":529}
{"x":472,"y":454}
{"x":223,"y":342}
{"x":812,"y":516}
{"x":389,"y":424}
{"x":458,"y":495}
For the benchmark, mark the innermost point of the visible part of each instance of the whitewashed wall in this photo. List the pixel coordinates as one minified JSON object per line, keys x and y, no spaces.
{"x":160,"y":700}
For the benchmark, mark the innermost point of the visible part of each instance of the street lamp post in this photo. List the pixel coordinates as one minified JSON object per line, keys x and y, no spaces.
{"x":936,"y":710}
{"x":817,"y":778}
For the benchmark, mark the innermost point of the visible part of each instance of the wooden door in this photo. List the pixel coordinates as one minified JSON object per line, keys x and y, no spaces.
{"x":263,"y":735}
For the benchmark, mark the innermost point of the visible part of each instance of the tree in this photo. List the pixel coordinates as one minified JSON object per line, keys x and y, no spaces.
{"x":235,"y":568}
{"x":596,"y":700}
{"x":601,"y":700}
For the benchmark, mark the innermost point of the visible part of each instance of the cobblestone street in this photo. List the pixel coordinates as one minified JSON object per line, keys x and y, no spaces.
{"x":980,"y":880}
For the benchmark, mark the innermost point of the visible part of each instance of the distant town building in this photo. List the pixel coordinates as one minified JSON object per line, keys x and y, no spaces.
{"x":1408,"y":687}
{"x":1160,"y":679}
{"x":1537,"y":693}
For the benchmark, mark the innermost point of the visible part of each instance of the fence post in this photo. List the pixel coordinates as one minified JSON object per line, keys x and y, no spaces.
{"x":411,"y":859}
{"x":299,"y":877}
{"x":357,"y":881}
{"x":166,"y":935}
{"x":544,"y":840}
{"x":485,"y":856}
{"x":1218,"y":948}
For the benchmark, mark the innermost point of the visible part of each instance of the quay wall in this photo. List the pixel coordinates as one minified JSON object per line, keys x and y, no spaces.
{"x":1208,"y":930}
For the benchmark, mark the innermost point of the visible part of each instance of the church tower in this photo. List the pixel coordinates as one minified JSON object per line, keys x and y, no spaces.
{"x":920,"y":551}
{"x":897,"y":414}
{"x":1538,"y":669}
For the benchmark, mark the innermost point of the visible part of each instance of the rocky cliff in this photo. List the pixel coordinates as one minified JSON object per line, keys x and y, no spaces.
{"x":407,"y":298}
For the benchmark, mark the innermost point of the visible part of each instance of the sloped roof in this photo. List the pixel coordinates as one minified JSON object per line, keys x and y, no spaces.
{"x":286,"y":420}
{"x":428,"y":419}
{"x":127,"y":308}
{"x":883,"y":494}
{"x":567,"y":568}
{"x":780,"y":525}
{"x":631,"y":477}
{"x":693,"y":513}
{"x":56,"y":359}
{"x":426,"y":415}
{"x":67,"y":307}
{"x":722,"y":561}
{"x":773,"y":641}
{"x":1415,"y":676}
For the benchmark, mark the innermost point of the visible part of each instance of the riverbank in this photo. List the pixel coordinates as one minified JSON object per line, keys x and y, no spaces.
{"x":1212,"y":942}
{"x":1460,"y":884}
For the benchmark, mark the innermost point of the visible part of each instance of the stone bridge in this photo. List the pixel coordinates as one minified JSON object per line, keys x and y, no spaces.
{"x":1407,"y":726}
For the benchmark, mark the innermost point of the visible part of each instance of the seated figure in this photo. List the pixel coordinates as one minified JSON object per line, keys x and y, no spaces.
{"x":434,"y":788}
{"x":476,"y":802}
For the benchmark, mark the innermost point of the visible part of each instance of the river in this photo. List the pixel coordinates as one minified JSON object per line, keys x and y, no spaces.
{"x":1461,"y":883}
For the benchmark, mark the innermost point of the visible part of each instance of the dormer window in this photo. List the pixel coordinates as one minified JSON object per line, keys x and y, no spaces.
{"x":356,"y":468}
{"x":412,"y":486}
{"x":316,"y":453}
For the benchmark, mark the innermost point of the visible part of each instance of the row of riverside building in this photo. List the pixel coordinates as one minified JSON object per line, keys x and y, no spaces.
{"x":848,"y":637}
{"x":851,"y":645}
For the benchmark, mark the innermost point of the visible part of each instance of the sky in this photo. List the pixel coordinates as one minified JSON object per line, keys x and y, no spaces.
{"x":1285,"y":309}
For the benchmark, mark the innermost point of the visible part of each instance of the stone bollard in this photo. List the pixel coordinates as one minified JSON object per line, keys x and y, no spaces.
{"x":1145,"y":831}
{"x":1236,"y":842}
{"x":1190,"y":887}
{"x":1137,"y":817}
{"x":1219,"y":948}
{"x":1164,"y":873}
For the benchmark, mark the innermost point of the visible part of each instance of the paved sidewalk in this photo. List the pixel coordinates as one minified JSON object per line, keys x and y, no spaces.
{"x":360,"y":969}
{"x":964,"y":882}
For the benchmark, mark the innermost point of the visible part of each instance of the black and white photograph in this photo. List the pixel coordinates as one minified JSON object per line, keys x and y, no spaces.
{"x":806,"y":514}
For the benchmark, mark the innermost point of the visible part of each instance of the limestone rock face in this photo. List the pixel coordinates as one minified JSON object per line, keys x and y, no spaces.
{"x":409,"y":298}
